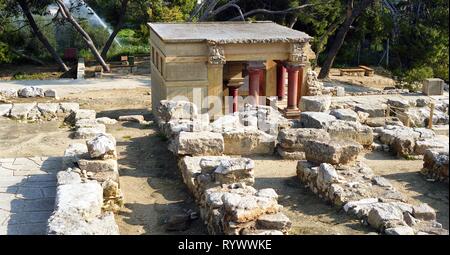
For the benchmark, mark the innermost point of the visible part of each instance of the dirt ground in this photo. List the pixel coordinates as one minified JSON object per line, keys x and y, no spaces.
{"x":153,"y":187}
{"x":377,"y":81}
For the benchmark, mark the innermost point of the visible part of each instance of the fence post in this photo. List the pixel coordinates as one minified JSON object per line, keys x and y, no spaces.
{"x":430,"y":120}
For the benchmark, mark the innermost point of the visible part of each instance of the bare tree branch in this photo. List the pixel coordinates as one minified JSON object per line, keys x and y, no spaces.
{"x":266,"y":11}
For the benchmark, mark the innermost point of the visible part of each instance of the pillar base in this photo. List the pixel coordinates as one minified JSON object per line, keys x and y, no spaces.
{"x":291,"y":113}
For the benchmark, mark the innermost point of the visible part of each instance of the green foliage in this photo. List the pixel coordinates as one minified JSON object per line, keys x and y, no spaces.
{"x":412,"y":79}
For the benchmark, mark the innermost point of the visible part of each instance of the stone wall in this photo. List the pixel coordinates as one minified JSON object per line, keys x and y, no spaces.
{"x":372,"y":199}
{"x":88,"y":191}
{"x":222,"y":185}
{"x":435,"y":164}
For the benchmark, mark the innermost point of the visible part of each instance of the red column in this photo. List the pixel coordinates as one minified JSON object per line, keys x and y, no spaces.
{"x":292,"y":88}
{"x":300,"y":84}
{"x":281,"y":75}
{"x":234,"y":91}
{"x":254,"y":78}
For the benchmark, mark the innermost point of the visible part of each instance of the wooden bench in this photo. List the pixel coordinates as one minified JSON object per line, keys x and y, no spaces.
{"x":368,"y":71}
{"x":352,"y":71}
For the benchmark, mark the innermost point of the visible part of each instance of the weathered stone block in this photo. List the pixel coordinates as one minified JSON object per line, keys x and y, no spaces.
{"x":68,"y":177}
{"x":248,"y":142}
{"x":51,"y":93}
{"x":315,"y":119}
{"x":69,"y":224}
{"x":345,"y":114}
{"x":351,"y":130}
{"x":89,"y":132}
{"x":294,"y":139}
{"x":332,"y":151}
{"x":106,"y":121}
{"x":198,"y":143}
{"x":171,"y":110}
{"x":8,"y":92}
{"x":5,"y":109}
{"x":315,"y":103}
{"x":73,"y":154}
{"x":49,"y":110}
{"x":75,"y":116}
{"x":277,"y":221}
{"x":103,"y":146}
{"x":69,"y":107}
{"x":108,"y":165}
{"x":382,"y":213}
{"x":84,"y":199}
{"x":31,"y":92}
{"x":373,"y":110}
{"x":424,"y":212}
{"x":20,"y":111}
{"x":235,"y":170}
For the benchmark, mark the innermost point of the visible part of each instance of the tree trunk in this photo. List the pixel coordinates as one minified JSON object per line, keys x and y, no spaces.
{"x":26,"y":11}
{"x":87,"y":39}
{"x":352,"y":14}
{"x":109,"y":42}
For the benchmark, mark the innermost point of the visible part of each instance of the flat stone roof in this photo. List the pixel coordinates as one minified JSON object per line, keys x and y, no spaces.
{"x":228,"y":32}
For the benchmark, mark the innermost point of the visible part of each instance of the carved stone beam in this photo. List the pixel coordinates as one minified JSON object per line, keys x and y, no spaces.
{"x":216,"y":55}
{"x":298,"y":54}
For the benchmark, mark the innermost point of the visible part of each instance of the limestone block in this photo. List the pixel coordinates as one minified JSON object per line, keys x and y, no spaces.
{"x":5,"y":109}
{"x":315,"y":103}
{"x":20,"y":111}
{"x":436,"y":164}
{"x":345,"y":114}
{"x":8,"y":92}
{"x":75,"y":116}
{"x":48,"y":110}
{"x":315,"y":119}
{"x":277,"y":221}
{"x":68,"y":177}
{"x":401,"y":230}
{"x":70,"y":224}
{"x":106,"y":121}
{"x":248,"y":142}
{"x":173,"y":110}
{"x":90,"y":132}
{"x":74,"y":153}
{"x":51,"y":93}
{"x":226,"y":123}
{"x":69,"y":107}
{"x":132,"y":118}
{"x":235,"y":170}
{"x":84,"y":199}
{"x":326,"y":175}
{"x":198,"y":143}
{"x":351,"y":130}
{"x":433,"y":86}
{"x":374,"y":110}
{"x":107,"y":165}
{"x":293,"y":139}
{"x":290,"y":155}
{"x":424,"y":212}
{"x":31,"y":92}
{"x":332,"y":151}
{"x":103,"y":146}
{"x":399,"y":103}
{"x":383,"y":213}
{"x":433,"y":143}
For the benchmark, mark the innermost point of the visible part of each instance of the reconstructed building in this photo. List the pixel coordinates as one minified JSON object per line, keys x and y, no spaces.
{"x":208,"y":61}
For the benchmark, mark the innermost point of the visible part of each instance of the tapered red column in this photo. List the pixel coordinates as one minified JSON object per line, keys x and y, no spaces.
{"x":281,"y":76}
{"x":234,"y":92}
{"x":292,"y":109}
{"x":254,"y":79}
